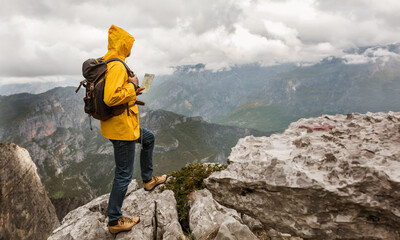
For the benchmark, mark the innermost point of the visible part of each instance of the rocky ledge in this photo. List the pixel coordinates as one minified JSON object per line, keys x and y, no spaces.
{"x":331,"y":177}
{"x":157,"y":211}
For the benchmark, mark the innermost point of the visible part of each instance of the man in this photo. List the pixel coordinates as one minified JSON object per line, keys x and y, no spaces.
{"x":124,"y":130}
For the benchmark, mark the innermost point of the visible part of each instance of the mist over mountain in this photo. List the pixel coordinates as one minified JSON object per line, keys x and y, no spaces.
{"x":330,"y":87}
{"x":269,"y":98}
{"x":37,"y":85}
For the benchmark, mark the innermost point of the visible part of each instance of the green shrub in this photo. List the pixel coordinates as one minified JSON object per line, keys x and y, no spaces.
{"x":187,"y":180}
{"x":57,"y":195}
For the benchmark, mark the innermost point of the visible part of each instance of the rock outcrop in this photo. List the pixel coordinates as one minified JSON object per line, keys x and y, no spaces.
{"x":331,"y":177}
{"x":157,"y":211}
{"x":26,"y":211}
{"x":210,"y":220}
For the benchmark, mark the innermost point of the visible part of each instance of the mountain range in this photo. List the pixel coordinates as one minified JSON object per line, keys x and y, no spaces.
{"x":268,"y":98}
{"x":74,"y":161}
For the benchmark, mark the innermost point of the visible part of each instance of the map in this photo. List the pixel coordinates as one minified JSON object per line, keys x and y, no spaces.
{"x":148,"y":80}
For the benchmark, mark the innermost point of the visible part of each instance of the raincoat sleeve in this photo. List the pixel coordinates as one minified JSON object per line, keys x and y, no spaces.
{"x":117,"y":90}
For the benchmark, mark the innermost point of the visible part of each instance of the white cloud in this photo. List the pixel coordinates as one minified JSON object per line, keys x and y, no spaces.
{"x":371,"y":55}
{"x":52,"y":38}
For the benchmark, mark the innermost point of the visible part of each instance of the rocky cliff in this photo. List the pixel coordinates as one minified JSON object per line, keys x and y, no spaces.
{"x":26,"y":211}
{"x":331,"y":177}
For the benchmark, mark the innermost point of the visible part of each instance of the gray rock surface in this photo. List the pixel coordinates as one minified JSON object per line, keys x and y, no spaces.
{"x":252,"y":223}
{"x":26,"y":211}
{"x":210,"y":220}
{"x":341,"y":182}
{"x":157,"y":211}
{"x":275,"y":235}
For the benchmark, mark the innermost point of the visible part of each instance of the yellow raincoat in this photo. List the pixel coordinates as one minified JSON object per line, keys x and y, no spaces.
{"x":118,"y":90}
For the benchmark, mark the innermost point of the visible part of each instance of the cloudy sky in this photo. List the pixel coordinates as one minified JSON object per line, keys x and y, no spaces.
{"x":43,"y":40}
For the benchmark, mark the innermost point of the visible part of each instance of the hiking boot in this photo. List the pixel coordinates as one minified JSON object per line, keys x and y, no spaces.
{"x":124,"y":224}
{"x":155,"y":180}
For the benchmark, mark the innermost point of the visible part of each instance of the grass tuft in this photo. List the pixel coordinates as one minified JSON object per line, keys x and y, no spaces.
{"x":186,"y":180}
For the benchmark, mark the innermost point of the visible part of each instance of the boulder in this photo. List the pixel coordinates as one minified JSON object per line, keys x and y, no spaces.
{"x":330,"y":177}
{"x":156,"y":209}
{"x":26,"y":211}
{"x":210,"y":220}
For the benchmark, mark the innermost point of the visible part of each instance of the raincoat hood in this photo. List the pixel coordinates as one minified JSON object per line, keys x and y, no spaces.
{"x":120,"y":43}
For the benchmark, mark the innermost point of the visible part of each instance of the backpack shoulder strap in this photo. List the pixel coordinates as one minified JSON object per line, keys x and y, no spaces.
{"x":130,"y":72}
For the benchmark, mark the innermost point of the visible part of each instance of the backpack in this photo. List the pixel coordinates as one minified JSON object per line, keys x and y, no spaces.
{"x":94,"y":70}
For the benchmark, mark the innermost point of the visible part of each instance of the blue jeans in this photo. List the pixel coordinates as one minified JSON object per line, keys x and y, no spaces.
{"x":124,"y":154}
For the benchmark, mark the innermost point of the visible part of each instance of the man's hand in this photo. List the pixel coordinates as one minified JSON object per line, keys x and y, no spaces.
{"x":134,"y":80}
{"x":139,"y":90}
